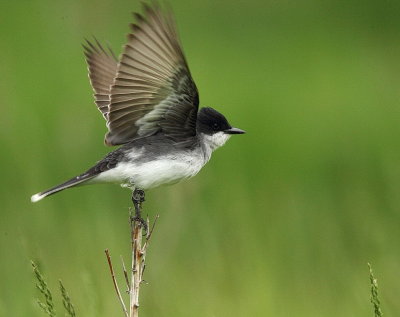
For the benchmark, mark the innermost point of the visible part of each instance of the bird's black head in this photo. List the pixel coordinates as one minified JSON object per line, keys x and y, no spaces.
{"x":210,"y":121}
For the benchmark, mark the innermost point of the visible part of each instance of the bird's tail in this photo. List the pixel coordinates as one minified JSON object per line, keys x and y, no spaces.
{"x":70,"y":183}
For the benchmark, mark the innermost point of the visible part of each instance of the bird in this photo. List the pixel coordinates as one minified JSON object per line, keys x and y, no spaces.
{"x":151,"y":106}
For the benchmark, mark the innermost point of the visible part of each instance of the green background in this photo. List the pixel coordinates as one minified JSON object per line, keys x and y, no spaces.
{"x":281,"y":222}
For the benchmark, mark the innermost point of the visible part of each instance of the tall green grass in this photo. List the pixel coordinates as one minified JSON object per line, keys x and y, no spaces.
{"x":48,"y":304}
{"x":374,"y":293}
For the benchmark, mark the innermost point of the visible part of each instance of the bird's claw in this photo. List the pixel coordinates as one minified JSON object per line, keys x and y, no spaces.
{"x":137,"y":199}
{"x":138,"y":196}
{"x":141,"y":221}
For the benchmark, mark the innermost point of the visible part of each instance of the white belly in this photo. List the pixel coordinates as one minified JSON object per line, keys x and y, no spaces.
{"x":151,"y":174}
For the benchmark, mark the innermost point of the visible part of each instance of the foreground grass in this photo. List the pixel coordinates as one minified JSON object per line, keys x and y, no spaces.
{"x":48,"y":304}
{"x":374,"y":293}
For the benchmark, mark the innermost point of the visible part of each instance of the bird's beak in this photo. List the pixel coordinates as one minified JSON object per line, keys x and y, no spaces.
{"x":234,"y":131}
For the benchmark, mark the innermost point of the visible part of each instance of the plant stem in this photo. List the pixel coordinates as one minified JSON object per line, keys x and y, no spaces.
{"x":115,"y":282}
{"x":137,"y":253}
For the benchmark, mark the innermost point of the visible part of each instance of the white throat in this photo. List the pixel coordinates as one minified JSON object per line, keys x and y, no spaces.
{"x":213,"y":142}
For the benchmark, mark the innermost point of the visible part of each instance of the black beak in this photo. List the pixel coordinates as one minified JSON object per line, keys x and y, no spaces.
{"x":234,"y":131}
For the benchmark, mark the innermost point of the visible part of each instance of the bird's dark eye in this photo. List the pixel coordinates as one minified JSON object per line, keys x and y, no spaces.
{"x":216,"y":126}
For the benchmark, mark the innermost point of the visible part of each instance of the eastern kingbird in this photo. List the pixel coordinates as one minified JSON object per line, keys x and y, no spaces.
{"x":150,"y":103}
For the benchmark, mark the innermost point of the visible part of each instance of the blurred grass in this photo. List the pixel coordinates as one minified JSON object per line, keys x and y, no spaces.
{"x":281,"y":222}
{"x":374,"y":293}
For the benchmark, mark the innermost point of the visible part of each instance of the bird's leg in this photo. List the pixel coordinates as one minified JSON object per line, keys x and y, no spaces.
{"x":138,"y":199}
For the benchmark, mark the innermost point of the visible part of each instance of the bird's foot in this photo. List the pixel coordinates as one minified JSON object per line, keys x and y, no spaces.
{"x":142,"y":223}
{"x":138,"y":196}
{"x":137,"y":199}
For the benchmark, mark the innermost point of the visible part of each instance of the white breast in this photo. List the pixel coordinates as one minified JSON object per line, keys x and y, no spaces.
{"x":165,"y":170}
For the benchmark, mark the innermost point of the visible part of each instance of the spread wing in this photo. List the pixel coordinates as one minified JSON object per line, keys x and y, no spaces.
{"x":153,"y":90}
{"x":102,"y":66}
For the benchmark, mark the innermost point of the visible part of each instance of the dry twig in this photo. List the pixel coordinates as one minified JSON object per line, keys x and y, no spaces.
{"x":115,"y":282}
{"x":139,"y":246}
{"x":128,"y":284}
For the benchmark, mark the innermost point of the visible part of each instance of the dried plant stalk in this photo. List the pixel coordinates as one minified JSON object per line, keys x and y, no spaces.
{"x":115,"y":282}
{"x":139,"y":249}
{"x":139,"y":244}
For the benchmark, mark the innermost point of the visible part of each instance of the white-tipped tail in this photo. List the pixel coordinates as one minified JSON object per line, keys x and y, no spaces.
{"x":37,"y":197}
{"x":72,"y":182}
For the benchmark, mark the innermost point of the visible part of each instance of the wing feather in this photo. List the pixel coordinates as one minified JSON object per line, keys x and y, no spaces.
{"x":153,"y":91}
{"x":102,"y":67}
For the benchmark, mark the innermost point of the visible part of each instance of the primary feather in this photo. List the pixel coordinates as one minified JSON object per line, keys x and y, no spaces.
{"x":102,"y":69}
{"x":150,"y":89}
